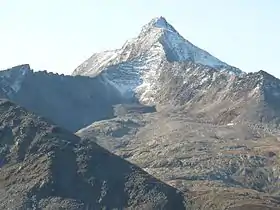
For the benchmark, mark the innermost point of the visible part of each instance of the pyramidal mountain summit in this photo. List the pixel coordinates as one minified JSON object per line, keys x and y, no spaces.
{"x":135,"y":67}
{"x":157,"y":38}
{"x":160,"y":67}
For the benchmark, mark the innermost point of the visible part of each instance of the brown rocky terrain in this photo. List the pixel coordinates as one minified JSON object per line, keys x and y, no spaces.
{"x":230,"y":166}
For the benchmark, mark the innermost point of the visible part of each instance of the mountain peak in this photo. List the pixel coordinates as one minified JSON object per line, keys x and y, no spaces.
{"x":139,"y":61}
{"x":160,"y":23}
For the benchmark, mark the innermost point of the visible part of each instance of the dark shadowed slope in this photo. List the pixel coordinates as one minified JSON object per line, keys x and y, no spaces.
{"x":45,"y":167}
{"x":71,"y":102}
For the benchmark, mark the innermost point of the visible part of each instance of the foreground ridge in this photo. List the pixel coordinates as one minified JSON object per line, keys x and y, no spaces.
{"x":46,"y":167}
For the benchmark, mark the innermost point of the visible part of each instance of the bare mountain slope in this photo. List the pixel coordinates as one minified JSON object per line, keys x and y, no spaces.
{"x":218,"y":97}
{"x":216,"y":166}
{"x":45,"y":167}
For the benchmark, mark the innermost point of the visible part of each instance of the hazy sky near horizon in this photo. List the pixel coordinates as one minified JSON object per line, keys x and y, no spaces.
{"x":58,"y":35}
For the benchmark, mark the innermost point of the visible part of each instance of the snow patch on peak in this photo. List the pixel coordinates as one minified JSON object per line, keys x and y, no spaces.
{"x":176,"y":47}
{"x":179,"y":49}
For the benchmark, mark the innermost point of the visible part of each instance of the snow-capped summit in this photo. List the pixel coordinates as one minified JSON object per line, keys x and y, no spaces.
{"x":159,"y":22}
{"x":135,"y":67}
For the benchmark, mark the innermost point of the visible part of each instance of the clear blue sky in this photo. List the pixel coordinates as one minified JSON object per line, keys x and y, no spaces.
{"x":57,"y":35}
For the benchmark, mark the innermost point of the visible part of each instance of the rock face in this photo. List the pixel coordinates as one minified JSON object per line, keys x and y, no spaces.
{"x":45,"y":167}
{"x":71,"y":102}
